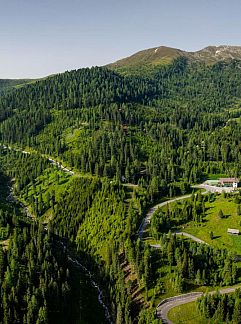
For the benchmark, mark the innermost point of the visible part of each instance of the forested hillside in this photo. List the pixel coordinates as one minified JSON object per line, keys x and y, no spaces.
{"x":6,"y":84}
{"x":34,"y":277}
{"x":102,"y":123}
{"x":130,"y":141}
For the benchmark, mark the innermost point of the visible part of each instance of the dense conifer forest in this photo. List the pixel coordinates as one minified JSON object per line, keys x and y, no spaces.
{"x":221,"y":309}
{"x":130,"y":141}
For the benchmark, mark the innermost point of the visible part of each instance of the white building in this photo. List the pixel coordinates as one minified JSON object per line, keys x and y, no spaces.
{"x":229,"y":182}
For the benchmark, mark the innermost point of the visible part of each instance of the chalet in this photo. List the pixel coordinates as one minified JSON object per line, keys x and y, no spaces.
{"x":229,"y":182}
{"x":233,"y":231}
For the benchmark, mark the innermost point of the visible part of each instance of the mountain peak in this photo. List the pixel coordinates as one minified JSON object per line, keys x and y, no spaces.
{"x":148,"y":59}
{"x":217,"y":53}
{"x":155,"y":55}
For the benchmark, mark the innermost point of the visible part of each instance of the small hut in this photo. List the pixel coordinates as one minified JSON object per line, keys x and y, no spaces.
{"x":233,"y":231}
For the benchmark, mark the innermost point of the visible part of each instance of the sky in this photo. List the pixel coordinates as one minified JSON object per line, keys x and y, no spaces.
{"x":42,"y":37}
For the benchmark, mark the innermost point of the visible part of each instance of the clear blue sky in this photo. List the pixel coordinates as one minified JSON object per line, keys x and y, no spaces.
{"x":41,"y":37}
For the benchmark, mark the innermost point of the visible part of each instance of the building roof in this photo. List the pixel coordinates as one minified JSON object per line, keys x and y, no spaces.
{"x":212,"y":181}
{"x":233,"y":231}
{"x":229,"y":180}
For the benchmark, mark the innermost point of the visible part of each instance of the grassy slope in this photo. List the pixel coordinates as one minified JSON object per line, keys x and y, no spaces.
{"x":146,"y":61}
{"x":51,"y":180}
{"x":218,"y":226}
{"x":212,"y":223}
{"x":187,"y":314}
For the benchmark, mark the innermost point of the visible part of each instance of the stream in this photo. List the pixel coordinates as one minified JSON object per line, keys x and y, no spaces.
{"x":106,"y":317}
{"x":93,"y":283}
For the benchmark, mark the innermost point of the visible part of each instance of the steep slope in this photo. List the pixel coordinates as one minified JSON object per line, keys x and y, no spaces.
{"x":148,"y":60}
{"x":89,"y":117}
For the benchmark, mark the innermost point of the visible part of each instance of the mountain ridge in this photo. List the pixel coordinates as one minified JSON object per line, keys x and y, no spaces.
{"x":157,"y":56}
{"x":148,"y":60}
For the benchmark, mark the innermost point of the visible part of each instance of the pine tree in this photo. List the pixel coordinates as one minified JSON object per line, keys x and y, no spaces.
{"x":237,"y":311}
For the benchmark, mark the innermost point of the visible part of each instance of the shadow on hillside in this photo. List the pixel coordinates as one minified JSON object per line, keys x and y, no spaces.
{"x":216,"y":237}
{"x":84,"y":296}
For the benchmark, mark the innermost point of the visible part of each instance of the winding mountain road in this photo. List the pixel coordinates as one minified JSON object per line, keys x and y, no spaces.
{"x":192,"y":237}
{"x":166,"y":305}
{"x":147,"y":219}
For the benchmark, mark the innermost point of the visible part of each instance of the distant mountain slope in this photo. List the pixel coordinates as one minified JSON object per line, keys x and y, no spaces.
{"x":12,"y":83}
{"x":212,"y":54}
{"x":148,"y":60}
{"x":157,"y":55}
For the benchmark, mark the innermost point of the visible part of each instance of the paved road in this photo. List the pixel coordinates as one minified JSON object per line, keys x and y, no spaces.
{"x":152,"y":210}
{"x":166,"y":305}
{"x":192,"y":237}
{"x":60,"y":166}
{"x":54,"y":162}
